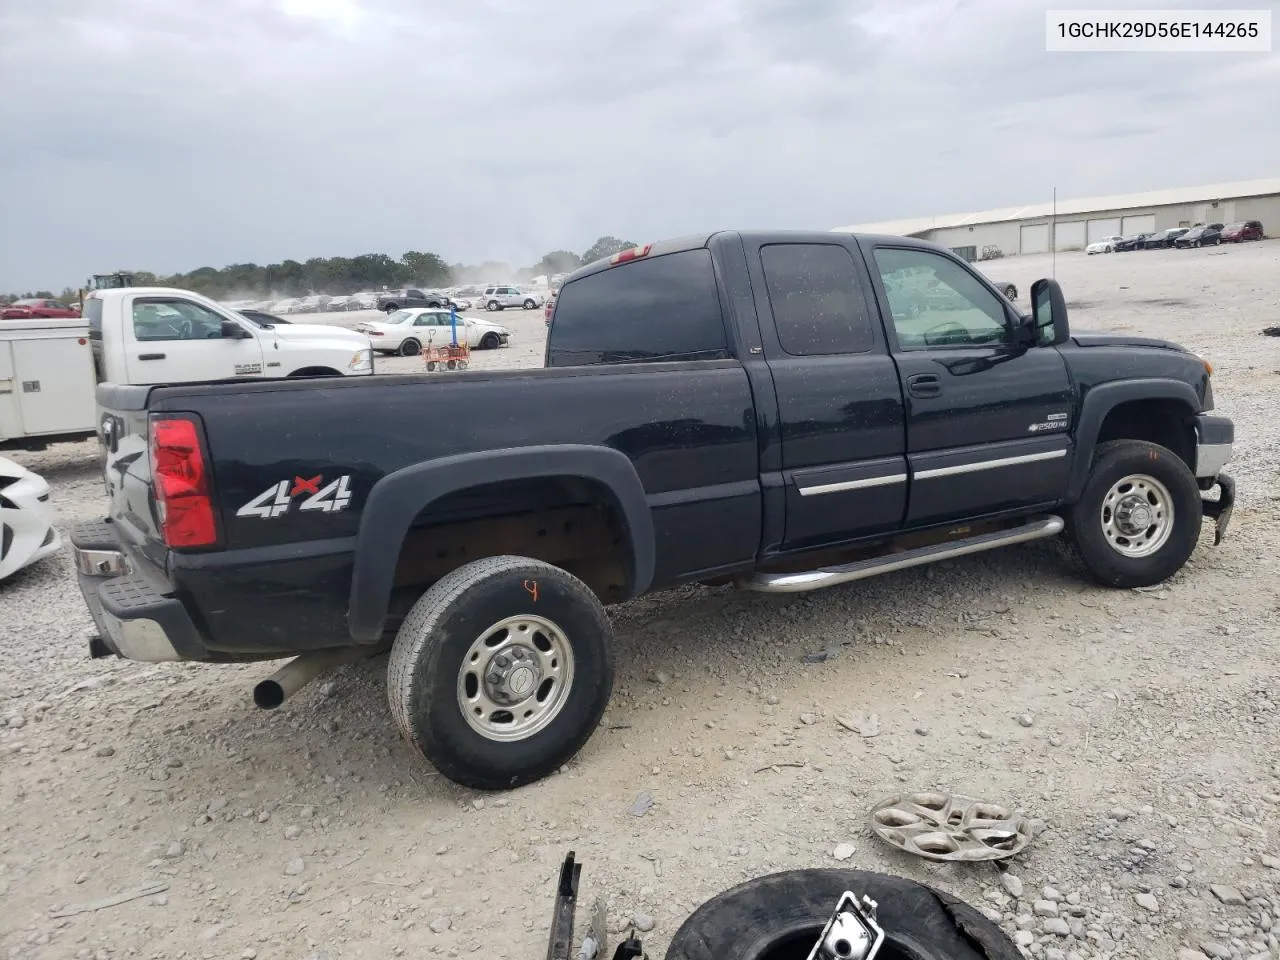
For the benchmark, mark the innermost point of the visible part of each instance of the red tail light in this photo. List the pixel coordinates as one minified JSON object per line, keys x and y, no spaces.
{"x":181,"y":480}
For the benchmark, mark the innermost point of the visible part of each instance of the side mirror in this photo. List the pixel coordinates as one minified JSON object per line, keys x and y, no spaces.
{"x":233,"y":331}
{"x":1049,"y":314}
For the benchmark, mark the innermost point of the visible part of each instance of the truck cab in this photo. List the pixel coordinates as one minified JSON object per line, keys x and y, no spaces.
{"x":151,"y":335}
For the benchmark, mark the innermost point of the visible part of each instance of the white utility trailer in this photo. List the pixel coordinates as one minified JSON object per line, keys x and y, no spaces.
{"x":47,"y":382}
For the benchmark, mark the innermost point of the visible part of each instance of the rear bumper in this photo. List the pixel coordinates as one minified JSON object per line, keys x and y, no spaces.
{"x":136,"y":617}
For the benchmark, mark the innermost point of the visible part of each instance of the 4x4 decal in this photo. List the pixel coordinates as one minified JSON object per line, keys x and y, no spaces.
{"x":276,"y":500}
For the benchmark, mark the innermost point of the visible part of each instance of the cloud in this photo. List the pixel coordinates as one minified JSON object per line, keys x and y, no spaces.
{"x":170,"y":134}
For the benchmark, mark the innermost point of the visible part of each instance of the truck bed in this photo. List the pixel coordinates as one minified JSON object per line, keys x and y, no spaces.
{"x":688,"y":428}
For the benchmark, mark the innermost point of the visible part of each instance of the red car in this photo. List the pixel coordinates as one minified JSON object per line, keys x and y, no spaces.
{"x":1244,"y":230}
{"x":26,"y":309}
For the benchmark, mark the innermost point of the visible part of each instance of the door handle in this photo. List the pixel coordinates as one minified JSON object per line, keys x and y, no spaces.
{"x":924,"y":385}
{"x":151,"y":356}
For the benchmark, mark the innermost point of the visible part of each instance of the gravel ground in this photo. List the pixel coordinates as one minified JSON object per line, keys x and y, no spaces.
{"x":1140,"y":728}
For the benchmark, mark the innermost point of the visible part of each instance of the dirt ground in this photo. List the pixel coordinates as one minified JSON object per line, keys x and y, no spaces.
{"x":1141,"y":728}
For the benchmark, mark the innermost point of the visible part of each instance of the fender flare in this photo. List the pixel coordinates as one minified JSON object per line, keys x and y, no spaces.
{"x":400,"y":496}
{"x":1104,"y":398}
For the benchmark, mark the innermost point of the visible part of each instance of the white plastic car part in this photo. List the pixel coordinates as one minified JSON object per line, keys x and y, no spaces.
{"x":26,"y":518}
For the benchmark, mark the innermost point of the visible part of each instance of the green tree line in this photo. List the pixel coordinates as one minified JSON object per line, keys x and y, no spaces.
{"x":344,"y":275}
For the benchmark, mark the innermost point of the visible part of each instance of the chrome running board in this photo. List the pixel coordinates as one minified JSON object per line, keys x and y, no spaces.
{"x":1036,"y":529}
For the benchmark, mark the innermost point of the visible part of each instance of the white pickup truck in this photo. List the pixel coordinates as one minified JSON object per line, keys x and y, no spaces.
{"x":49,"y":369}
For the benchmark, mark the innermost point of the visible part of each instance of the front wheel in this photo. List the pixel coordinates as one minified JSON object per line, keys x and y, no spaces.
{"x":530,"y":305}
{"x":782,"y":915}
{"x":1138,"y":519}
{"x":490,"y":341}
{"x":501,"y":672}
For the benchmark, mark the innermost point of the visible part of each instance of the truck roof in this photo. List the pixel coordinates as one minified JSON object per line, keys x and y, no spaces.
{"x":697,"y":240}
{"x":142,"y":291}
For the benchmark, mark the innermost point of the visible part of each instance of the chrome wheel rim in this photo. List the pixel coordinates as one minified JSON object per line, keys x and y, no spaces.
{"x":515,"y":678}
{"x":1137,"y":516}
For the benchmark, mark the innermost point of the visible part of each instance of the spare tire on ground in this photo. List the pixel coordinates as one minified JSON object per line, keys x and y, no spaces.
{"x":782,"y":915}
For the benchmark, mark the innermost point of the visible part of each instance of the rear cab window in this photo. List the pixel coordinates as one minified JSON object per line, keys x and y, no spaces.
{"x":817,"y":299}
{"x":93,"y":314}
{"x":648,"y":310}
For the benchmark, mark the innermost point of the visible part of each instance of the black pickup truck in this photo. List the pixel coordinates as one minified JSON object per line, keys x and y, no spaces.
{"x":783,"y":411}
{"x":404,"y":299}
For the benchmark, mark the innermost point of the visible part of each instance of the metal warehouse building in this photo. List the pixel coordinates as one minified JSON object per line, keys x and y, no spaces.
{"x":1075,"y":223}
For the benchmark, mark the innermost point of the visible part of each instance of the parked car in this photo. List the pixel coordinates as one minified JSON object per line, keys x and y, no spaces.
{"x":1132,"y":242}
{"x":1200,"y":237}
{"x":26,"y":518}
{"x":1163,"y":238}
{"x":1105,"y":245}
{"x":1241,"y":231}
{"x":486,"y":519}
{"x":364,"y":300}
{"x":499,"y":298}
{"x":261,"y":318}
{"x":337,"y":304}
{"x":411,"y":297}
{"x":406,"y":332}
{"x":461,"y":303}
{"x":38,"y":308}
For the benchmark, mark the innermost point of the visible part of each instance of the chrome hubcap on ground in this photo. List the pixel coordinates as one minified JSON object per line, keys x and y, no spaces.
{"x":1137,"y":516}
{"x":515,"y":678}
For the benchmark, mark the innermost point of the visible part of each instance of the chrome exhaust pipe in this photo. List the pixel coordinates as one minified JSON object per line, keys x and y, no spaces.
{"x":301,"y":670}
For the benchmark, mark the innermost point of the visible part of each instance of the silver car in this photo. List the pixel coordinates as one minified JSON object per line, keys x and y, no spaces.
{"x":499,"y":298}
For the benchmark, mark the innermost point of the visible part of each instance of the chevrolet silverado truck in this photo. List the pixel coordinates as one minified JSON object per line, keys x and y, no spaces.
{"x":781,"y":411}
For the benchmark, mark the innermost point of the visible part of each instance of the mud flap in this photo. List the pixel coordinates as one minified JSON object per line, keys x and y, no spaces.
{"x":1220,"y":510}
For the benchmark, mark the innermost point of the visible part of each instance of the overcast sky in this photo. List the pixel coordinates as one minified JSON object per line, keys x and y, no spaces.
{"x":166,"y":135}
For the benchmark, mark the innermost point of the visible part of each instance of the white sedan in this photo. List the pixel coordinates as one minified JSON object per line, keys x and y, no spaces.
{"x":406,"y":332}
{"x":1105,"y":245}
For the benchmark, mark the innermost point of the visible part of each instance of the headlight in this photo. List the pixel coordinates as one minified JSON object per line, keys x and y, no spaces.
{"x":362,"y":361}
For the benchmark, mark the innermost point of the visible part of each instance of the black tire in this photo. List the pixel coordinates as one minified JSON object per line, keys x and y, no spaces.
{"x":457,"y":613}
{"x":1087,"y":537}
{"x":530,"y":304}
{"x":490,"y":341}
{"x":1011,"y":292}
{"x":410,"y":348}
{"x":431,"y":366}
{"x":493,"y":306}
{"x":391,"y":308}
{"x":780,"y":917}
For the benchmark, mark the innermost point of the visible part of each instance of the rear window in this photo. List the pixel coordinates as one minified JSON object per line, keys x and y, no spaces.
{"x":648,"y":310}
{"x":93,"y":313}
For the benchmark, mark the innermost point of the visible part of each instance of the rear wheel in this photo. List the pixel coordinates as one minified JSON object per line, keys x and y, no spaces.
{"x":501,"y":672}
{"x":781,"y":916}
{"x":391,"y":308}
{"x":410,"y":348}
{"x":492,"y":306}
{"x":431,"y":366}
{"x":1138,"y":519}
